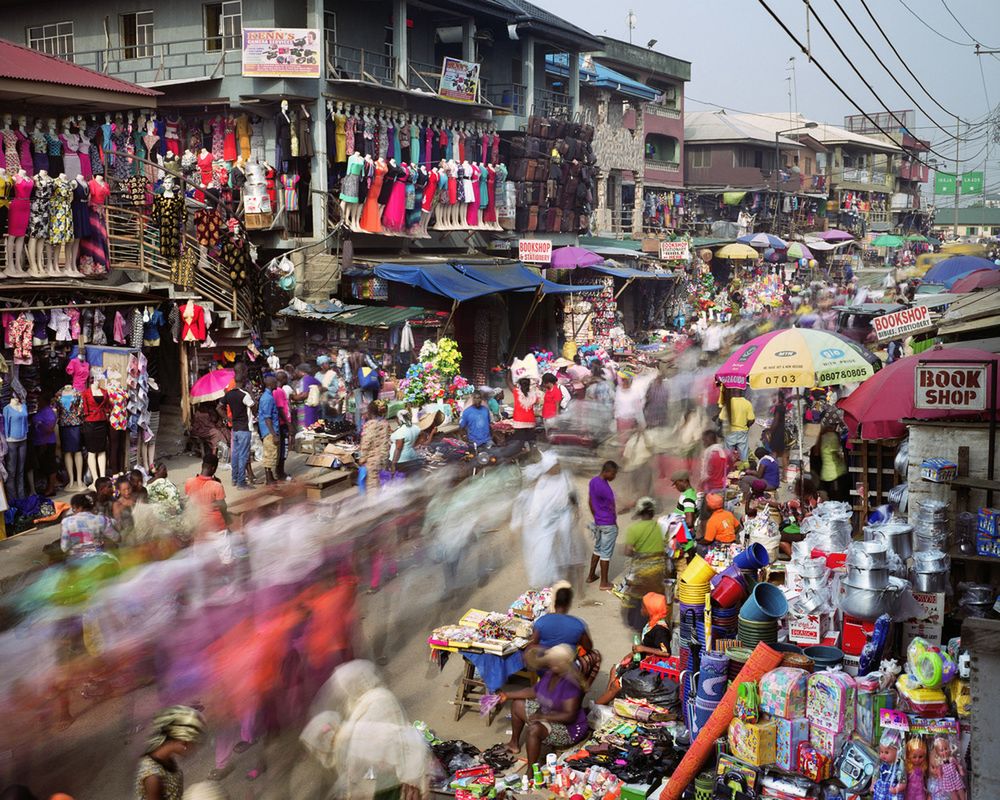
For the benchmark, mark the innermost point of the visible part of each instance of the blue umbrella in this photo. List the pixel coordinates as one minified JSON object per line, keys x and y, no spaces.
{"x":951,"y":269}
{"x":763,"y":240}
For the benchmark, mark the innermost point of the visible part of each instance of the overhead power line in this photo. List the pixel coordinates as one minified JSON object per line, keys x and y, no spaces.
{"x":932,"y":29}
{"x":902,"y":60}
{"x":891,"y":74}
{"x":964,"y":29}
{"x":856,"y":71}
{"x":830,"y":78}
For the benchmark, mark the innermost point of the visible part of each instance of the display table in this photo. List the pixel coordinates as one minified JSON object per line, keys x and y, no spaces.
{"x":495,"y":671}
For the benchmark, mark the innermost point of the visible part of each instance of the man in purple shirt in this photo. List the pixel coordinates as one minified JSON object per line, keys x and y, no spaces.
{"x":605,"y":525}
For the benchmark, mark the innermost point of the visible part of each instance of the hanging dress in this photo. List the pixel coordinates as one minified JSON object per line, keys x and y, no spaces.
{"x":121,"y":142}
{"x":24,"y":151}
{"x":55,"y":152}
{"x":349,"y":184}
{"x":38,"y":222}
{"x":94,"y":249}
{"x":12,"y":158}
{"x":86,"y":156}
{"x":490,"y":201}
{"x":61,"y":214}
{"x":419,"y":184}
{"x":394,"y":215}
{"x":81,"y":211}
{"x":229,"y":152}
{"x":370,"y":214}
{"x":20,"y":208}
{"x":340,"y":138}
{"x":472,"y":197}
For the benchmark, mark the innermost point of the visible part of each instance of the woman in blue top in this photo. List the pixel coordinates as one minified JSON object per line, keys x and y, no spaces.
{"x":560,"y":627}
{"x":403,"y":456}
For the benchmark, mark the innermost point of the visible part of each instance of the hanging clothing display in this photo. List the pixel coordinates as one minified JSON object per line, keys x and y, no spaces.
{"x":38,"y":223}
{"x":370,"y":217}
{"x":193,"y":328}
{"x":60,"y":213}
{"x":170,"y":214}
{"x":207,"y":226}
{"x":80,"y":211}
{"x":20,"y":208}
{"x":349,"y":185}
{"x":290,"y":192}
{"x":20,"y":333}
{"x":94,"y":256}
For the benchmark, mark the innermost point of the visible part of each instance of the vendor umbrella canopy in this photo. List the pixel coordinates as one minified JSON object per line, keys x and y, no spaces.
{"x":887,"y":240}
{"x":798,"y":250}
{"x":574,"y":258}
{"x":797,"y":357}
{"x":737,"y":252}
{"x":951,"y":269}
{"x":974,"y":281}
{"x":916,"y":237}
{"x":211,"y":386}
{"x":875,"y":409}
{"x":834,"y":235}
{"x":763,"y":240}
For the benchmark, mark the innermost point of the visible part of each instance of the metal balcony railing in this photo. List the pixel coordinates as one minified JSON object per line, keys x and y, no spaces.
{"x":423,"y":76}
{"x":146,"y":64}
{"x":509,"y":96}
{"x":552,"y":104}
{"x":666,"y":166}
{"x":355,"y":64}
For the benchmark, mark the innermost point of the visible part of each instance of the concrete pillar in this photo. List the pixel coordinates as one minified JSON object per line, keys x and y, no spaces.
{"x":574,"y":83}
{"x":602,"y":221}
{"x":469,"y":40}
{"x":637,"y":207}
{"x":399,"y":42}
{"x":319,"y":184}
{"x":528,"y":74}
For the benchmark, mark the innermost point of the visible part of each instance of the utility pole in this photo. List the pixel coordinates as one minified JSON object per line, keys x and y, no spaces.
{"x":954,"y":225}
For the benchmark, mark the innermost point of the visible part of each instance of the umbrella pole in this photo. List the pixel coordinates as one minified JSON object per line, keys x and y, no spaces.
{"x":799,"y":425}
{"x":534,"y":304}
{"x":444,"y":328}
{"x":627,"y":283}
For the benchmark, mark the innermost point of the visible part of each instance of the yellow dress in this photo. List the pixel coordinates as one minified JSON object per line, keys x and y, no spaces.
{"x":340,"y":137}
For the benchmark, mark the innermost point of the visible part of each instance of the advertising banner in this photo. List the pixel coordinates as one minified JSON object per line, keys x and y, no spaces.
{"x":459,"y":80}
{"x":902,"y":323}
{"x":534,"y":251}
{"x":281,"y":53}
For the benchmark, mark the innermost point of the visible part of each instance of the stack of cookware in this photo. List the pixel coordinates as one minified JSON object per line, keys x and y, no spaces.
{"x":932,"y":525}
{"x":868,"y":590}
{"x":896,"y":534}
{"x":930,"y":571}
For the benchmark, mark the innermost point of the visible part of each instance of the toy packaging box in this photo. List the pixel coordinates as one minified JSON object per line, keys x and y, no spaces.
{"x":938,"y":470}
{"x":813,"y":763}
{"x":827,"y":741}
{"x":871,"y":700}
{"x":789,"y":734}
{"x":830,"y":700}
{"x":783,"y":692}
{"x":753,"y":742}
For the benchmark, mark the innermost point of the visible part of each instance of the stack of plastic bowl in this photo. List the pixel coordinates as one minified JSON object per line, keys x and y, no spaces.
{"x":693,"y":587}
{"x":725,"y":623}
{"x":760,"y":614}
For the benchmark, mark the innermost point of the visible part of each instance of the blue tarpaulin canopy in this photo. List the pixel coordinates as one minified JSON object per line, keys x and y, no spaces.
{"x":628,"y":272}
{"x":517,"y":277}
{"x":442,"y":279}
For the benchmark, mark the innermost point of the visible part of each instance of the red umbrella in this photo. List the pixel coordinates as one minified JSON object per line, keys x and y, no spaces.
{"x":878,"y":404}
{"x":980,"y":279}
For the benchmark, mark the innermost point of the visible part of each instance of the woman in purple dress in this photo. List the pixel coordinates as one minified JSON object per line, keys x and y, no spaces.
{"x":552,"y":709}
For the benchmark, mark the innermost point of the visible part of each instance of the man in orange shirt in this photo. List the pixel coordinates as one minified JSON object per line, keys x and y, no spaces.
{"x":209,"y":496}
{"x":722,"y":526}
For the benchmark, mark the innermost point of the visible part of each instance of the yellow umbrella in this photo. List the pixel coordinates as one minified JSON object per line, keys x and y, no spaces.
{"x":738,"y":251}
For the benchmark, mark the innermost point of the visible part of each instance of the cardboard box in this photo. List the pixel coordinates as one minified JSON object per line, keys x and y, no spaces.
{"x":851,"y":664}
{"x":938,"y":470}
{"x":856,"y":633}
{"x":753,"y":742}
{"x":930,"y":628}
{"x":809,"y":629}
{"x":988,"y":522}
{"x":789,"y":733}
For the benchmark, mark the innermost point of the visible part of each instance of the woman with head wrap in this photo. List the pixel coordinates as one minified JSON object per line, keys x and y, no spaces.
{"x":655,"y":641}
{"x":360,"y":733}
{"x":647,"y":564}
{"x":175,"y":732}
{"x":550,"y":712}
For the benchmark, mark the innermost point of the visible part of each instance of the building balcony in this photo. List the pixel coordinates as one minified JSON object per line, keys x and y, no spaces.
{"x":864,"y":179}
{"x":661,"y":165}
{"x":552,"y":104}
{"x":423,"y":76}
{"x":165,"y":62}
{"x":345,"y":63}
{"x":508,"y":96}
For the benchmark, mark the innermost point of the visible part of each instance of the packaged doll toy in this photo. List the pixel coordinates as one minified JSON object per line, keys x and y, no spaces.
{"x":916,"y":769}
{"x":890,"y":782}
{"x":946,"y":781}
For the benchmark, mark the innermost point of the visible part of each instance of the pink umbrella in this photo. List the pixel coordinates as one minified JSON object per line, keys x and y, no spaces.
{"x":834,"y":235}
{"x":980,"y":279}
{"x":211,"y":386}
{"x":574,"y":257}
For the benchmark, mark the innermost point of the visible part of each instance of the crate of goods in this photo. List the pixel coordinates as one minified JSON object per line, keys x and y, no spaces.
{"x":753,"y":742}
{"x":789,"y":734}
{"x":663,"y":665}
{"x":831,"y":699}
{"x":783,"y":692}
{"x":939,"y":470}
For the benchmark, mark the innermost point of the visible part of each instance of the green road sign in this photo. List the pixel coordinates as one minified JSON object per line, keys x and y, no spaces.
{"x":944,"y":183}
{"x":972,"y":183}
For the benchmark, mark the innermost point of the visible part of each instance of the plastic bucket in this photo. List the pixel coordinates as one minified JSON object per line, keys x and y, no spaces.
{"x":698,"y":572}
{"x":766,"y":603}
{"x":754,"y":557}
{"x":729,"y":593}
{"x":824,"y":656}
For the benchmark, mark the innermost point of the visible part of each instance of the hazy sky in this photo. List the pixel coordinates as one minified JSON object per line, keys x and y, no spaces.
{"x":739,"y":57}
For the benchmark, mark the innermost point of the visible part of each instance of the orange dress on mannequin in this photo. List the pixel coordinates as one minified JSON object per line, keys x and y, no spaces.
{"x":370,"y":217}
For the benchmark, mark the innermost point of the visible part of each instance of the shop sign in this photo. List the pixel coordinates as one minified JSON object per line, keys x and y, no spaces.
{"x":535,"y":251}
{"x":281,"y":53}
{"x":955,"y":387}
{"x":674,"y":251}
{"x":459,"y":80}
{"x":902,"y":323}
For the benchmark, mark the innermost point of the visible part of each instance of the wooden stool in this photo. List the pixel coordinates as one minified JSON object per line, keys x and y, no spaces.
{"x":255,"y":502}
{"x":322,"y":483}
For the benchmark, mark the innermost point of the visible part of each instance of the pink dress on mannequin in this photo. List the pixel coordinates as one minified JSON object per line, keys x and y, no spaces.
{"x":394,"y":216}
{"x":20,"y":208}
{"x":472,"y":214}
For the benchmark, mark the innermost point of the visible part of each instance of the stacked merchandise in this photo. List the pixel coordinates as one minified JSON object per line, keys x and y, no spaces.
{"x":554,"y":170}
{"x":662,"y":209}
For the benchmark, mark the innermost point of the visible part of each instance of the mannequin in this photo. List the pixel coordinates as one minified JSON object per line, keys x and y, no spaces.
{"x":38,"y":223}
{"x":283,"y":137}
{"x":117,"y":423}
{"x":39,"y":148}
{"x":71,"y":147}
{"x":80,"y":214}
{"x":68,"y":410}
{"x":15,"y":426}
{"x":17,"y":222}
{"x":55,"y":149}
{"x":349,"y":205}
{"x":146,"y":450}
{"x":12,"y":158}
{"x":96,"y":406}
{"x":60,"y":221}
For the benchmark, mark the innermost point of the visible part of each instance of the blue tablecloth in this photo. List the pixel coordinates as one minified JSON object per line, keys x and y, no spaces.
{"x":495,"y":670}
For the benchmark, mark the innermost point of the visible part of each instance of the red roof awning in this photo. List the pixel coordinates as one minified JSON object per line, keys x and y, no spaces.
{"x":36,"y":77}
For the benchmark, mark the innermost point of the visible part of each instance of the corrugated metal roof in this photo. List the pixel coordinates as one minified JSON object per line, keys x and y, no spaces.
{"x":357,"y":315}
{"x":22,"y":63}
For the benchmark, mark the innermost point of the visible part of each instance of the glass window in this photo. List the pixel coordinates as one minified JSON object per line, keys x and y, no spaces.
{"x":137,"y":34}
{"x":224,"y":26}
{"x":55,"y":39}
{"x":699,"y":159}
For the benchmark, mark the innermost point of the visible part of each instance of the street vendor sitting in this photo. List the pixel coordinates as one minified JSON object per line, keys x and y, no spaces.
{"x":550,"y":712}
{"x":475,"y":422}
{"x":560,"y":627}
{"x":654,"y":641}
{"x":722,"y":525}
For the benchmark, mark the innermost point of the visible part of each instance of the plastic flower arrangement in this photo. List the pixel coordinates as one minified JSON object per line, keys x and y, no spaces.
{"x":435,"y":376}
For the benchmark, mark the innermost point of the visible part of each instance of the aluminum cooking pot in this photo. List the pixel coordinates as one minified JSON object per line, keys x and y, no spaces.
{"x":870,"y":604}
{"x":868,"y":555}
{"x":930,"y":581}
{"x":896,"y":535}
{"x":868,"y":578}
